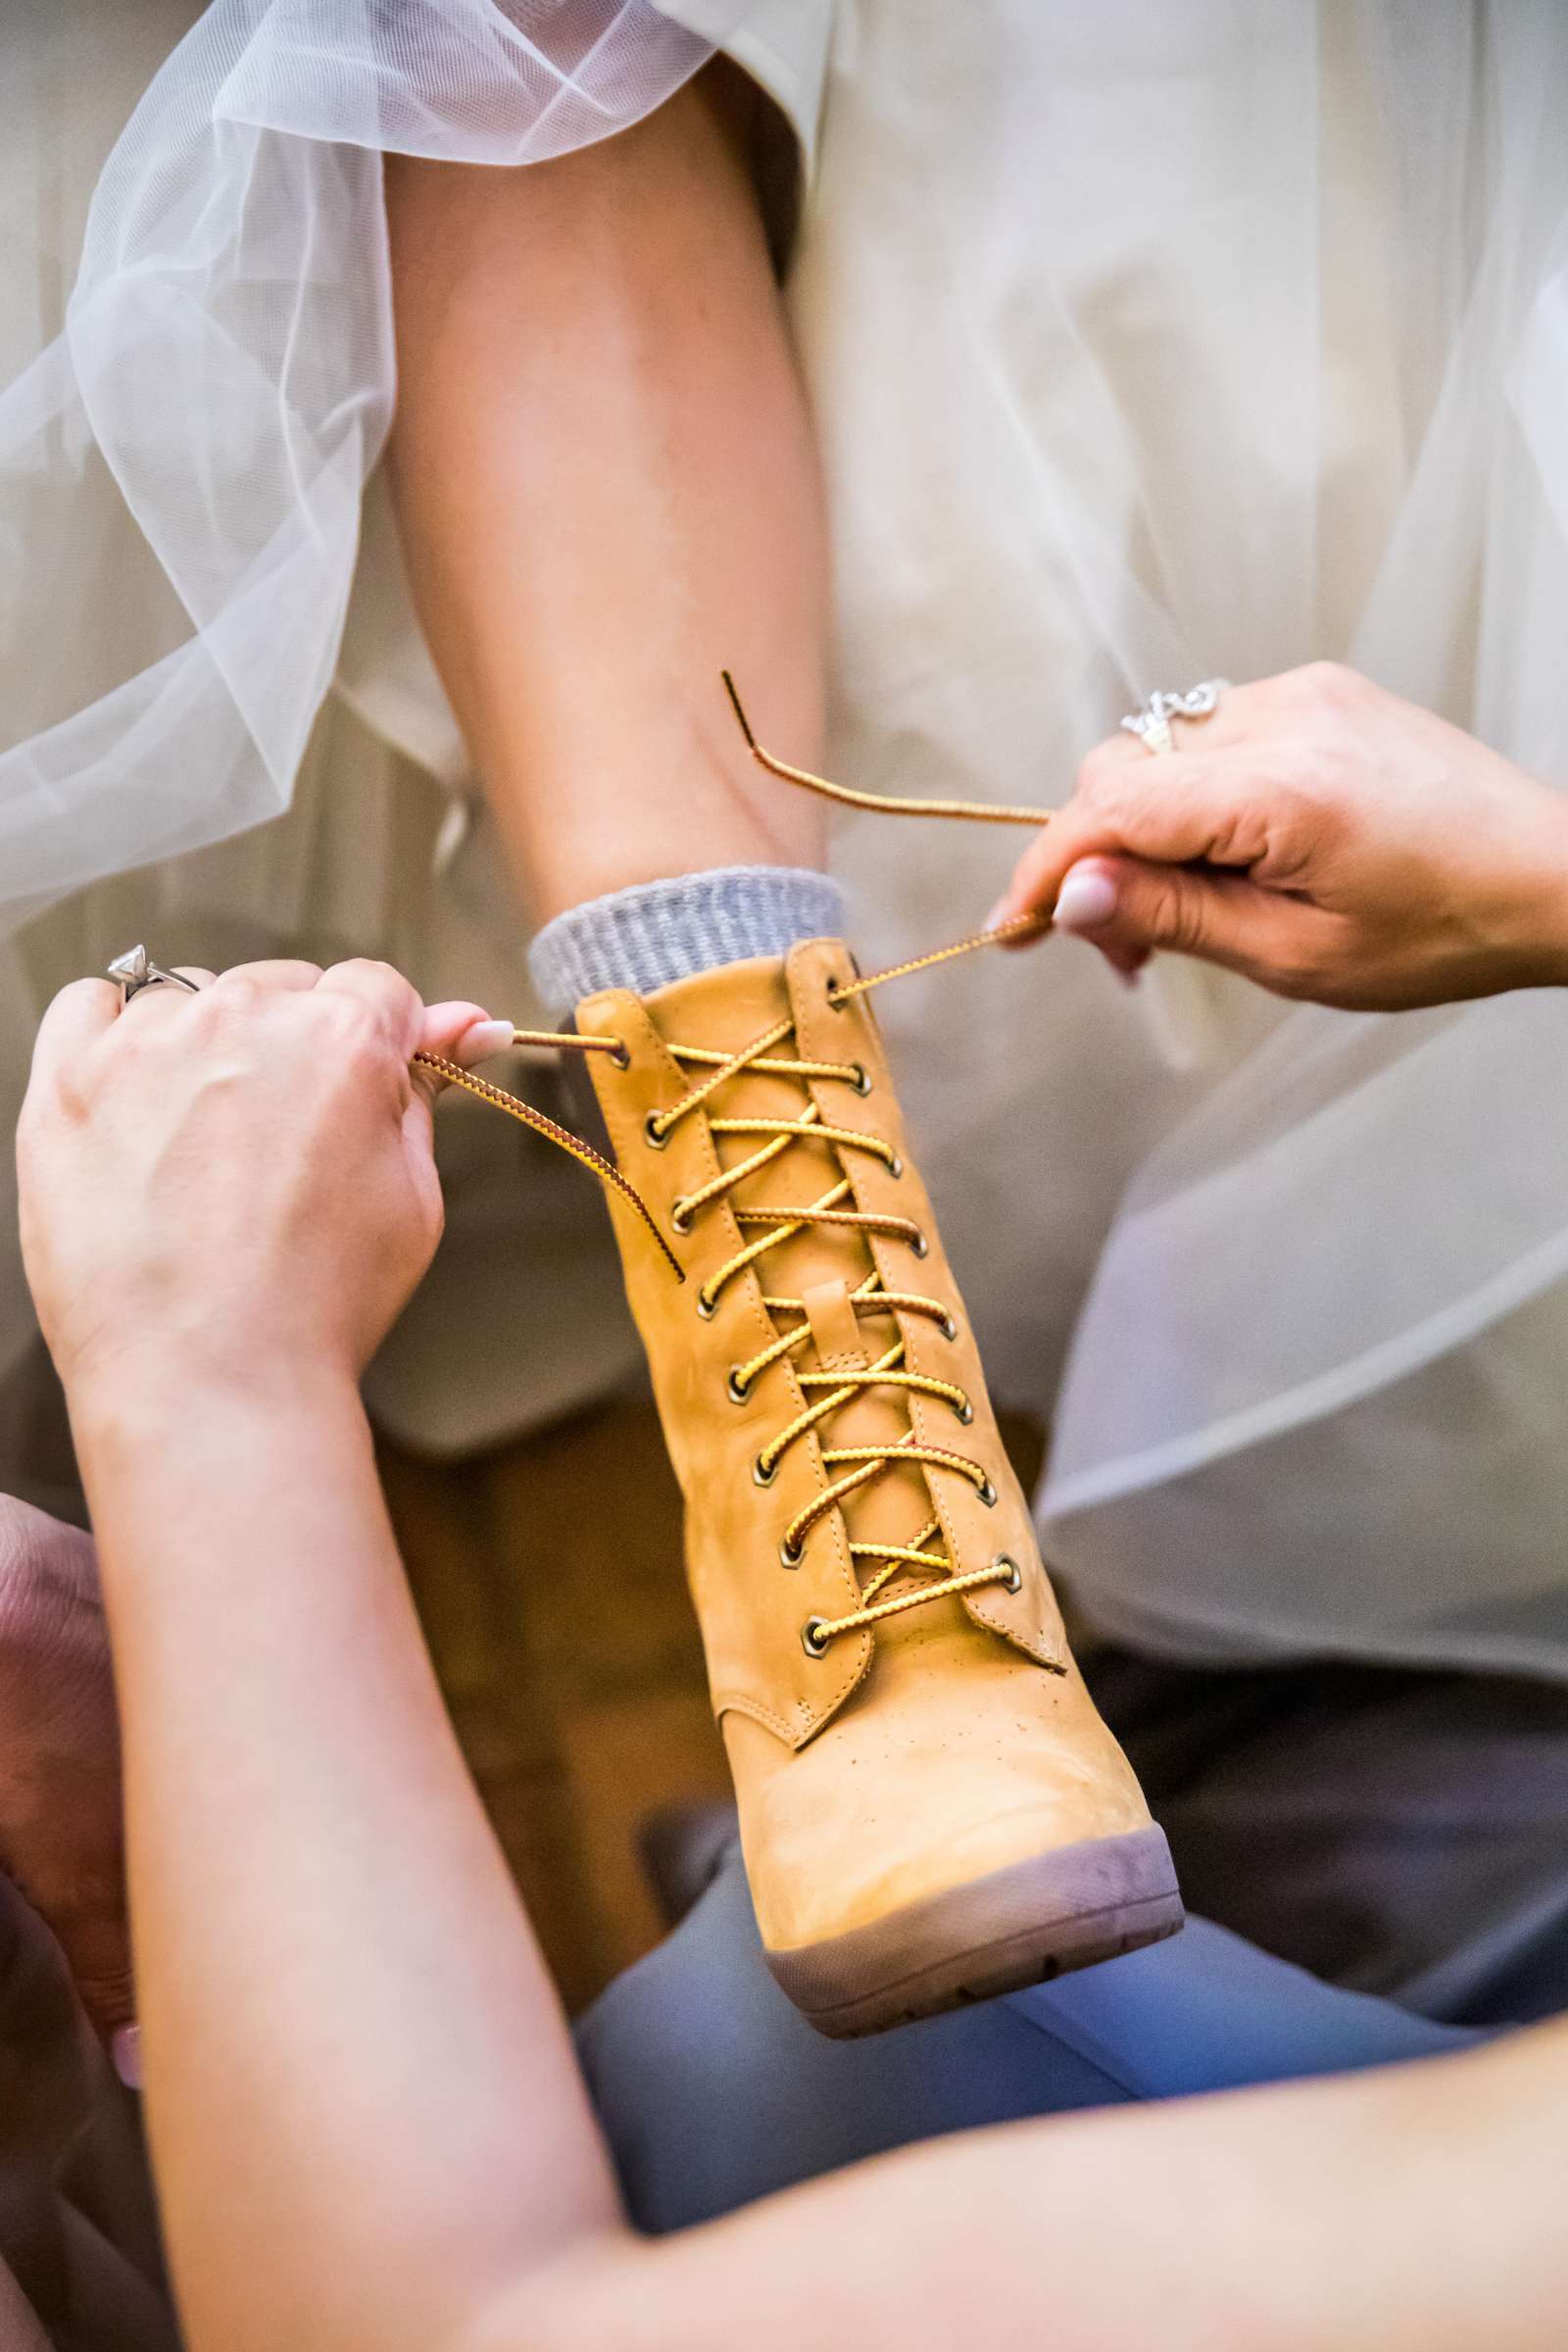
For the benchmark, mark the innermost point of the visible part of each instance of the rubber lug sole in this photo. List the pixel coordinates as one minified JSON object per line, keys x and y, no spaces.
{"x":1069,"y":1908}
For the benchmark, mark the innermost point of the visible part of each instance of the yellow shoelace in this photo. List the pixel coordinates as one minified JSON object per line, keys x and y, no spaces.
{"x":851,"y":1467}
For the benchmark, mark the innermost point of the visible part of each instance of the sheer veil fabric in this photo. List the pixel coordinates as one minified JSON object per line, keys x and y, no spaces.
{"x":1331,"y":1323}
{"x":1144,"y":344}
{"x":195,"y":380}
{"x":224,"y":385}
{"x":1243,"y":338}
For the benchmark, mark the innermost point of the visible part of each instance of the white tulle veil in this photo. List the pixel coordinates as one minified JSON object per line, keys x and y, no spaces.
{"x":1319,"y":1388}
{"x":205,"y":425}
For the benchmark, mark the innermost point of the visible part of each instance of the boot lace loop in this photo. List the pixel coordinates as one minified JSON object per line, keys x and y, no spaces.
{"x":850,"y":1468}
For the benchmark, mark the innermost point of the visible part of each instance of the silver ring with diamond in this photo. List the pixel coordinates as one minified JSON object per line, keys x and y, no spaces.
{"x":135,"y":970}
{"x":1150,"y":723}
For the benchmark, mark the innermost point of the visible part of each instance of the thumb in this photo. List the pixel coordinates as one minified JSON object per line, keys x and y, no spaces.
{"x":456,"y":1032}
{"x":1178,"y":811}
{"x":1129,"y":907}
{"x":462,"y":1033}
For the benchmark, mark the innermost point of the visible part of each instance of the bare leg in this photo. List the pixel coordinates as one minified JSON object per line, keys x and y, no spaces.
{"x":608,"y":490}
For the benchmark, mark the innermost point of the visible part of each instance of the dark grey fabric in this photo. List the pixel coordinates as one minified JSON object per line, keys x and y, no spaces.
{"x":1403,"y":1833}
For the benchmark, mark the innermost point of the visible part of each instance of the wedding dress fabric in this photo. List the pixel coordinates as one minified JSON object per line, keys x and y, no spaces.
{"x":1144,"y":344}
{"x":195,"y":344}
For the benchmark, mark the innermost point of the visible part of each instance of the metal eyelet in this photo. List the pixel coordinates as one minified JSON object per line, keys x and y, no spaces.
{"x":812,"y":1641}
{"x":761,"y":1476}
{"x":965,"y":1412}
{"x":920,"y":1246}
{"x":651,"y":1130}
{"x":681,"y":1217}
{"x":1014,"y":1572}
{"x":986,"y":1493}
{"x":622,"y":1058}
{"x":948,"y":1327}
{"x":861,"y":1081}
{"x":835,"y":1001}
{"x":707,"y":1308}
{"x":791,"y":1554}
{"x":736,"y":1388}
{"x":895,"y":1167}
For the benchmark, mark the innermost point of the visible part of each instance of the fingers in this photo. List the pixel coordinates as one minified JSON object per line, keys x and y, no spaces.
{"x":1236,"y":717}
{"x":1087,"y":904}
{"x":1088,"y":899}
{"x":456,"y":1032}
{"x":1177,"y":810}
{"x":125,"y":2052}
{"x":1128,"y":909}
{"x":1175,"y":807}
{"x":165,"y":1003}
{"x":393,"y":1001}
{"x":1119,"y":903}
{"x":462,"y":1033}
{"x":280,"y":973}
{"x":1171,"y":810}
{"x":79,"y":1017}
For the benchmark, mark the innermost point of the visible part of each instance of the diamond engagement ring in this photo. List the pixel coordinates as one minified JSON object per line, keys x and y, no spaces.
{"x":135,"y":970}
{"x":1151,"y":723}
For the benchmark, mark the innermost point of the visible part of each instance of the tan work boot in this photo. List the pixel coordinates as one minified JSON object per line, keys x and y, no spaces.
{"x":931,"y":1809}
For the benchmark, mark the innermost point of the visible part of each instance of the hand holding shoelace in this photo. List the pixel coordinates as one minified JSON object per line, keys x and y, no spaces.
{"x":1323,"y":837}
{"x":232,"y":1181}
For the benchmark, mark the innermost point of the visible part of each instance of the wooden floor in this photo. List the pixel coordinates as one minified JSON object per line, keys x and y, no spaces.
{"x":549,"y":1581}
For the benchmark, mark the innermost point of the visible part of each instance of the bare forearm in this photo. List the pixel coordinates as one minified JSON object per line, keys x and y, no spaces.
{"x":1416,"y":2210}
{"x":608,"y":491}
{"x":363,"y":2105}
{"x":356,"y":2063}
{"x":368,"y":2127}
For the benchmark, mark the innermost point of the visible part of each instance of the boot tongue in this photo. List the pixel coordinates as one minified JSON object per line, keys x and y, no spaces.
{"x":726,"y":1008}
{"x":726,"y":1011}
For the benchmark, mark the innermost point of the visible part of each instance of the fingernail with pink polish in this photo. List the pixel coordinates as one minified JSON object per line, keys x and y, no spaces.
{"x":1085,"y":902}
{"x":125,"y":2052}
{"x":481,"y":1040}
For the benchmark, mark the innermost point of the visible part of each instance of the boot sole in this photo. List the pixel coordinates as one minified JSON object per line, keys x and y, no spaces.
{"x":1066,"y":1909}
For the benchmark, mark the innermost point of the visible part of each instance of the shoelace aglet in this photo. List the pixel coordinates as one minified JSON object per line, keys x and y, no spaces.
{"x":1016,"y":926}
{"x":739,"y":709}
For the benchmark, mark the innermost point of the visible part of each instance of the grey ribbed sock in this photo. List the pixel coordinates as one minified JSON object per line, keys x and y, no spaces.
{"x":657,"y":932}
